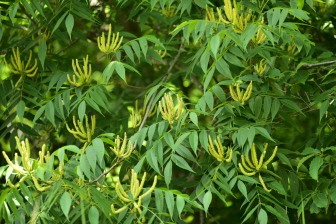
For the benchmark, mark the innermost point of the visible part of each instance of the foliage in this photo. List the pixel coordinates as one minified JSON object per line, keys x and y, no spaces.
{"x":236,"y":122}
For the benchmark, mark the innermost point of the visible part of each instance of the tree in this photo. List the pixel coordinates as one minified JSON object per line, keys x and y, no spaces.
{"x":167,"y":111}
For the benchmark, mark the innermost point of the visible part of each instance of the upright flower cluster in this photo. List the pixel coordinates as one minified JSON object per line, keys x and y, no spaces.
{"x":26,"y":169}
{"x":254,"y":165}
{"x":240,"y":95}
{"x":110,"y":45}
{"x":219,"y":154}
{"x":124,"y":151}
{"x":83,"y":134}
{"x":167,"y":108}
{"x":83,"y":76}
{"x":133,"y":196}
{"x":20,"y":67}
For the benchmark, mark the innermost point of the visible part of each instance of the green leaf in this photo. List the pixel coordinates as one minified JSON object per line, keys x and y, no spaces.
{"x":81,"y":110}
{"x":90,"y":153}
{"x":159,"y":200}
{"x":120,"y":71}
{"x":264,"y":133}
{"x":324,"y":108}
{"x":129,"y":52}
{"x":215,"y":43}
{"x":332,"y":193}
{"x":314,"y":167}
{"x":136,"y":48}
{"x":152,"y":160}
{"x":207,"y":200}
{"x":20,"y":109}
{"x":284,"y":159}
{"x":300,"y":14}
{"x":291,"y":104}
{"x":65,"y":203}
{"x":194,"y":118}
{"x":179,"y":161}
{"x":290,"y":120}
{"x":69,"y":24}
{"x":262,"y":217}
{"x":321,"y":200}
{"x":94,"y":215}
{"x":219,"y":92}
{"x":180,"y":203}
{"x":223,"y":68}
{"x":170,"y":202}
{"x":168,"y":172}
{"x":267,"y":106}
{"x":85,"y":166}
{"x":143,"y":46}
{"x":38,"y":113}
{"x":42,"y":52}
{"x":50,"y":112}
{"x":304,"y":159}
{"x":209,"y":100}
{"x":59,"y":21}
{"x":72,"y":148}
{"x":250,"y":213}
{"x":275,"y":107}
{"x":257,"y":106}
{"x":193,"y":140}
{"x":242,"y":189}
{"x":248,"y":179}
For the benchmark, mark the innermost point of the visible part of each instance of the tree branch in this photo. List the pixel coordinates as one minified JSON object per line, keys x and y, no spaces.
{"x":166,"y":76}
{"x":309,"y":66}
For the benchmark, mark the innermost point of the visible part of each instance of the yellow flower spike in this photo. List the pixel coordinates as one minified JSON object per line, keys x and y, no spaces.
{"x":239,"y":96}
{"x":19,"y":66}
{"x":248,"y":93}
{"x":220,"y":153}
{"x":81,"y":76}
{"x":167,"y":108}
{"x":257,"y":164}
{"x":119,"y":210}
{"x":38,"y":186}
{"x":244,"y":172}
{"x":263,"y":184}
{"x":135,"y":119}
{"x":210,"y":16}
{"x":41,"y":154}
{"x":233,"y":93}
{"x":19,"y":169}
{"x":108,"y":46}
{"x":244,"y":163}
{"x":220,"y":17}
{"x":261,"y":67}
{"x":120,"y":151}
{"x":161,"y":53}
{"x":228,"y":10}
{"x":254,"y":156}
{"x":272,"y":156}
{"x":261,"y":159}
{"x":135,"y":190}
{"x":121,"y":193}
{"x":230,"y":155}
{"x":83,"y":134}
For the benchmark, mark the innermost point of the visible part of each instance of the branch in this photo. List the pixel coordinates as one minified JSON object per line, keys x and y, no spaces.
{"x":72,"y":43}
{"x":166,"y":76}
{"x":309,"y":66}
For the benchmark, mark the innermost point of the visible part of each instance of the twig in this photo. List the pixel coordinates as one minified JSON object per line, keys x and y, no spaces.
{"x":72,"y":43}
{"x":166,"y":76}
{"x":308,"y":66}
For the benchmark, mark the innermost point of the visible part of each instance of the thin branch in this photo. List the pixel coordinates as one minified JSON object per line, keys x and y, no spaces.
{"x":309,"y":66}
{"x":72,"y":43}
{"x":166,"y":76}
